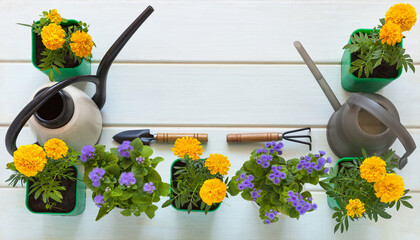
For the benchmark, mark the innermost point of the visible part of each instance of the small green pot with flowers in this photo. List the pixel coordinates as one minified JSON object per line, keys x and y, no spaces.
{"x":364,"y":188}
{"x":276,"y":185}
{"x":197,"y":184}
{"x":61,"y":48}
{"x":53,"y":183}
{"x":124,"y":177}
{"x":373,"y":58}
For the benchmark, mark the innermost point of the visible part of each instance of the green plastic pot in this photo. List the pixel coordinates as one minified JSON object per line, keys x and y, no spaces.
{"x":80,"y":199}
{"x":83,"y":69}
{"x":332,"y":203}
{"x":185,"y":210}
{"x":351,"y":83}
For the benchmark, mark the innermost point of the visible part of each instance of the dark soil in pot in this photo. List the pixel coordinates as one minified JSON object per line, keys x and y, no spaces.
{"x":382,"y":71}
{"x":68,"y":201}
{"x":39,"y":48}
{"x":174,"y":184}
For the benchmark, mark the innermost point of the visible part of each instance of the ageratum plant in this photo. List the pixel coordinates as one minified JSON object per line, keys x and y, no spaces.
{"x":197,"y":183}
{"x":125,"y":178}
{"x":276,"y":185}
{"x":365,"y":188}
{"x":382,"y":44}
{"x":62,"y":44}
{"x":45,"y":167}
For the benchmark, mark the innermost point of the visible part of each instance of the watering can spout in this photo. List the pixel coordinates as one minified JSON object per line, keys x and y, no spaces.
{"x":318,"y":76}
{"x":111,"y":54}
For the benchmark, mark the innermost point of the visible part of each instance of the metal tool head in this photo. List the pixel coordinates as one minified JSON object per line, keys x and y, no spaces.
{"x":143,"y":134}
{"x":292,"y":138}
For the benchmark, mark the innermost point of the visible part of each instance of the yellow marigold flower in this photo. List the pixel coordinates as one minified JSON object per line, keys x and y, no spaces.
{"x":217,"y":163}
{"x":29,"y":159}
{"x":372,"y":169}
{"x":56,"y":148}
{"x":355,"y":207}
{"x":81,"y":43}
{"x":54,"y":16}
{"x":402,"y":14}
{"x":390,"y":33}
{"x":53,"y":36}
{"x":188,"y":145}
{"x":213,"y":191}
{"x":390,"y":188}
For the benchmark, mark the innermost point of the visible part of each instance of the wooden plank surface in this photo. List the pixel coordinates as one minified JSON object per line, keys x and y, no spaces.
{"x":210,"y":94}
{"x":209,"y":31}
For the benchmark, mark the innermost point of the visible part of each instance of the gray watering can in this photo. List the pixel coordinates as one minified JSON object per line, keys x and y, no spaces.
{"x":347,"y":129}
{"x":62,"y":111}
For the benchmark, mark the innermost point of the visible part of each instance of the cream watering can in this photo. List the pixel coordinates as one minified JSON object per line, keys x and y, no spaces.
{"x":62,"y":111}
{"x":348,"y":130}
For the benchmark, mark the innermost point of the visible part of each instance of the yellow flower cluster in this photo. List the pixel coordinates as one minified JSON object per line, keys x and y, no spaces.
{"x":81,"y":44}
{"x":53,"y":36}
{"x":404,"y":15}
{"x":390,"y":33}
{"x":54,"y":16}
{"x":55,"y":148}
{"x":217,"y":163}
{"x":188,"y":145}
{"x":355,"y":207}
{"x":372,"y":169}
{"x":29,"y":159}
{"x":389,"y":188}
{"x":213,"y":191}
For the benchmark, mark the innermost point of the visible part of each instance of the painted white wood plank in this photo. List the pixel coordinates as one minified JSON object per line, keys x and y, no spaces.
{"x":237,"y":153}
{"x":210,"y":94}
{"x":239,"y":220}
{"x":208,"y":31}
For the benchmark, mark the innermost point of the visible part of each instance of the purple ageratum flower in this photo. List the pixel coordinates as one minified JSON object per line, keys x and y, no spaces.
{"x":310,"y":199}
{"x":271,"y":216}
{"x":266,"y":157}
{"x":127,"y":179}
{"x":278,"y":146}
{"x":96,"y":175}
{"x":250,"y":177}
{"x":124,"y":148}
{"x":273,"y":168}
{"x":259,"y":151}
{"x":318,"y":167}
{"x":88,"y":152}
{"x":310,"y":170}
{"x":282,"y":175}
{"x":271,"y":151}
{"x":259,"y":161}
{"x":140,"y":160}
{"x":322,"y":161}
{"x":266,"y":164}
{"x":322,"y":152}
{"x":267,"y":221}
{"x":314,"y":206}
{"x":290,"y":193}
{"x":271,"y":177}
{"x":329,"y":160}
{"x":238,"y":179}
{"x":316,"y":155}
{"x":241,"y":187}
{"x":243,"y":176}
{"x":308,"y":158}
{"x":148,"y":187}
{"x":264,"y":150}
{"x":267,"y":145}
{"x":99,"y":200}
{"x":295,"y":203}
{"x":299,"y":166}
{"x":313,"y":165}
{"x":275,"y":181}
{"x":307,"y":206}
{"x":96,"y":184}
{"x":326,"y":170}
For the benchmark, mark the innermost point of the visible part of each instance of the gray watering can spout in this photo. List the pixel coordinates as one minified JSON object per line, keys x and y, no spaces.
{"x":99,"y":80}
{"x":318,"y":76}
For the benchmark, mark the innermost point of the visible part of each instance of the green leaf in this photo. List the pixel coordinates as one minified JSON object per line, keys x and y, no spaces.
{"x":336,"y":227}
{"x":150,"y":211}
{"x":139,"y":198}
{"x":50,"y":75}
{"x":164,"y":189}
{"x":189,"y":207}
{"x":153,"y":176}
{"x":114,"y":170}
{"x":384,"y":214}
{"x":55,"y":197}
{"x":37,"y":193}
{"x":126,"y":196}
{"x":126,"y":163}
{"x":126,"y":212}
{"x":156,"y":160}
{"x":137,"y":144}
{"x":147,"y":151}
{"x":102,"y":212}
{"x":407,"y":204}
{"x":116,"y":192}
{"x":43,"y":21}
{"x":398,"y":205}
{"x":167,"y":203}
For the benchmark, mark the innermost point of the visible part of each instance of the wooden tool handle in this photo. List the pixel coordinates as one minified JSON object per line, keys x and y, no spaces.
{"x":172,"y":137}
{"x":252,"y":137}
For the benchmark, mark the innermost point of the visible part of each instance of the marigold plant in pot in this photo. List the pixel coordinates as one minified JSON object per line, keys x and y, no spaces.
{"x":52,"y":185}
{"x":124,"y":177}
{"x":373,"y":58}
{"x":364,"y":188}
{"x":197,"y":184}
{"x":61,"y":48}
{"x":276,"y":185}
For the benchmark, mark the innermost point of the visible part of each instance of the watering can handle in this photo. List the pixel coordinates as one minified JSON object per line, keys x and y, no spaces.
{"x":388,"y":120}
{"x":99,"y":80}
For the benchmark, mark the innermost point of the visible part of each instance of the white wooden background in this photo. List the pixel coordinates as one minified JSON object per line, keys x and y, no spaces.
{"x":213,"y":66}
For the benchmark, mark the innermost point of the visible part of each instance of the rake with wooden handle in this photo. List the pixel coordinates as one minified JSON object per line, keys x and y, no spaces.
{"x":270,"y":136}
{"x":146,"y":137}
